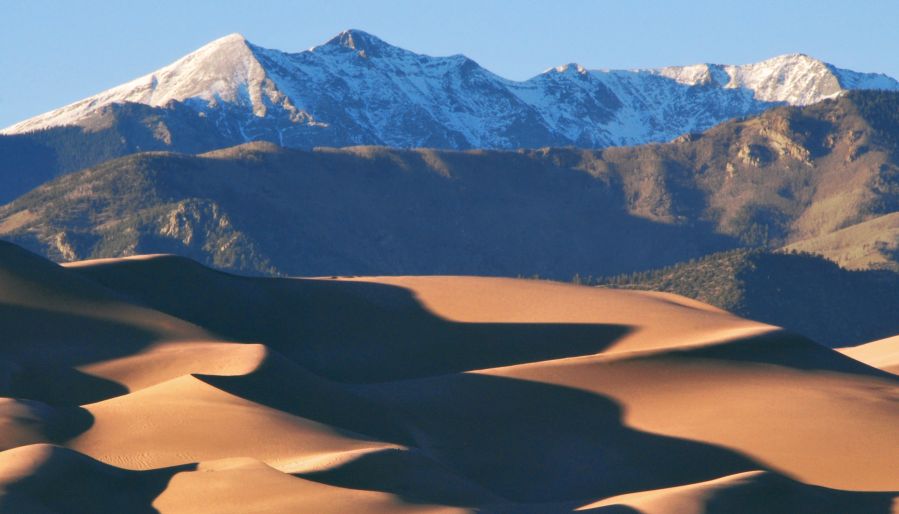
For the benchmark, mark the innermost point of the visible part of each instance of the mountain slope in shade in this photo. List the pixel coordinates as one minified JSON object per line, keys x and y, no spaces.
{"x":427,"y":394}
{"x":261,"y":209}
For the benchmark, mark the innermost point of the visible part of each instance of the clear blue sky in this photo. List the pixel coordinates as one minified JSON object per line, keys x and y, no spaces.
{"x":55,"y":52}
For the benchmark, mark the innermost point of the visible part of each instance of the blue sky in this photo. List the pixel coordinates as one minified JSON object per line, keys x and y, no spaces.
{"x":55,"y":52}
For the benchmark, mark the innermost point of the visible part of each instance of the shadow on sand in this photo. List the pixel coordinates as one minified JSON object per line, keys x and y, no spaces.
{"x":347,"y":331}
{"x":67,"y":481}
{"x":521,"y":446}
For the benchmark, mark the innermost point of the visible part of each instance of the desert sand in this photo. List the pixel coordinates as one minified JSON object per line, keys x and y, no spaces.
{"x":883,"y":354}
{"x":154,"y":384}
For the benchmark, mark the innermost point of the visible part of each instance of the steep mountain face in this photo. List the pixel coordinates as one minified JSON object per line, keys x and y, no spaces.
{"x":801,"y":292}
{"x":357,"y":89}
{"x":788,"y":175}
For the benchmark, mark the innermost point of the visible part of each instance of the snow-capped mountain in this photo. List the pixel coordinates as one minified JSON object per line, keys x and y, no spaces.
{"x":357,"y":89}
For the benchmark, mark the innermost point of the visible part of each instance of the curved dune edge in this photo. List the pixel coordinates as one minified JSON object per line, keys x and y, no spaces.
{"x":114,"y":260}
{"x":754,"y":397}
{"x":421,"y":394}
{"x":46,"y":478}
{"x":752,"y":491}
{"x":165,"y":361}
{"x":882,"y":354}
{"x":31,"y":282}
{"x":676,"y":321}
{"x":188,"y":420}
{"x":245,"y":485}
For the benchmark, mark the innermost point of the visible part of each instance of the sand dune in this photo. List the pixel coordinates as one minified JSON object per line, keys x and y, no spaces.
{"x":379,"y":321}
{"x":883,"y":354}
{"x":243,"y":485}
{"x":43,"y":478}
{"x":154,"y":384}
{"x":187,"y":420}
{"x":52,"y":315}
{"x":165,"y":361}
{"x":33,"y":284}
{"x":24,"y":422}
{"x":745,"y":493}
{"x":789,"y":404}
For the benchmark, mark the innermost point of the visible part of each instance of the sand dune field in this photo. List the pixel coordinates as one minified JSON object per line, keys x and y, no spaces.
{"x":154,"y":384}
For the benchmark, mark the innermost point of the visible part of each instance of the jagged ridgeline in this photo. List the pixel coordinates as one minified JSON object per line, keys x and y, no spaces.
{"x":359,"y":90}
{"x":790,"y":176}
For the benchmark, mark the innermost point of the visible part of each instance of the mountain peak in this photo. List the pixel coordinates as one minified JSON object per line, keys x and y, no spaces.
{"x":792,"y":58}
{"x":232,"y":37}
{"x":358,"y":41}
{"x":797,"y":56}
{"x":697,"y":74}
{"x":571,"y":67}
{"x":230,"y":42}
